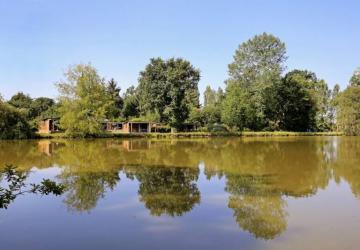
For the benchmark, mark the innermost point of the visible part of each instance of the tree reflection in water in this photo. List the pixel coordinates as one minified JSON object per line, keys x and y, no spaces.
{"x":259,"y":173}
{"x":258,"y":207}
{"x":86,"y":188}
{"x":165,"y":189}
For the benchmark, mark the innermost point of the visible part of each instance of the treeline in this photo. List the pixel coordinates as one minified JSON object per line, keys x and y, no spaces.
{"x":259,"y":96}
{"x":19,"y":115}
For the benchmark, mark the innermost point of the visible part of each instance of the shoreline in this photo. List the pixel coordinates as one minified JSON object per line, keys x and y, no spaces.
{"x":195,"y":135}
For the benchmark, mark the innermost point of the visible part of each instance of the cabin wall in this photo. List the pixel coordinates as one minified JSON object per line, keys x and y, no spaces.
{"x":126,"y":128}
{"x":47,"y":126}
{"x":44,"y":127}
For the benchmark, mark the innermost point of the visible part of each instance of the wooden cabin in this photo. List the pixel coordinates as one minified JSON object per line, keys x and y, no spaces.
{"x":129,"y":127}
{"x":48,"y":126}
{"x":137,"y":127}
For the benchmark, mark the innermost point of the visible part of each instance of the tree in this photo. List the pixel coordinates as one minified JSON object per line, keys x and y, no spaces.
{"x":114,"y":92}
{"x":131,"y":103}
{"x":220,"y":95}
{"x":13,"y":123}
{"x":31,"y":108}
{"x":258,"y":64}
{"x":348,"y":112}
{"x":212,"y":105}
{"x":237,"y":111}
{"x":39,"y":106}
{"x":209,"y":96}
{"x":196,"y":116}
{"x":84,"y":101}
{"x":332,"y":108}
{"x":355,"y":79}
{"x":292,"y":105}
{"x":320,"y":96}
{"x":169,"y":88}
{"x":21,"y":101}
{"x":16,"y":181}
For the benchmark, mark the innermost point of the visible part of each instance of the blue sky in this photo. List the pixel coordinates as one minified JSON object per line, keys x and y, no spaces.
{"x":40,"y":38}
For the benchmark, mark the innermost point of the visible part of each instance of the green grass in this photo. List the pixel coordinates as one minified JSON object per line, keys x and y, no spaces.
{"x":200,"y":134}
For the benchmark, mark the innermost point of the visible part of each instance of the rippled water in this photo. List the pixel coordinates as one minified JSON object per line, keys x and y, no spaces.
{"x":221,"y":193}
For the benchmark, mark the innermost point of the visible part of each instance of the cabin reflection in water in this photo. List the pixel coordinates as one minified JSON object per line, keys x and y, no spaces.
{"x":136,"y":145}
{"x":48,"y":147}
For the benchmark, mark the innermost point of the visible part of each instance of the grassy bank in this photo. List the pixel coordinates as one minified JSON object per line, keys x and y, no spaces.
{"x":200,"y":134}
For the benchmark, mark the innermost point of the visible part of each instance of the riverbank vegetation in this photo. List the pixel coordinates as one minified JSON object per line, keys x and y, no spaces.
{"x":198,"y":134}
{"x":260,"y":95}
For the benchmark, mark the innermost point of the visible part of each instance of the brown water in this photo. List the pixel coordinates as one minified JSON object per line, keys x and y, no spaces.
{"x":223,"y":193}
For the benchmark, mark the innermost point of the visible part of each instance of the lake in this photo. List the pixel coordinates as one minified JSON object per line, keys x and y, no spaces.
{"x":219,"y":193}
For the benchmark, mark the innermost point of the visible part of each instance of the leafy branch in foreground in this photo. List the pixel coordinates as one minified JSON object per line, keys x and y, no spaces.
{"x":16,"y":185}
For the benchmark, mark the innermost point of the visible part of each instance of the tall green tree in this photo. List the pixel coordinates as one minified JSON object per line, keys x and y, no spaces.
{"x":320,"y":94}
{"x":237,"y":111}
{"x":209,"y":96}
{"x":84,"y":101}
{"x":131,"y":103}
{"x":348,"y":110}
{"x":332,"y":107}
{"x":355,"y":79}
{"x":212,"y":105}
{"x":170,"y":89}
{"x":258,"y":64}
{"x":292,"y":105}
{"x":114,"y":92}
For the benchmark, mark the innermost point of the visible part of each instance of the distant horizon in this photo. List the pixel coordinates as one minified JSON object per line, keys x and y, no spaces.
{"x":40,"y":39}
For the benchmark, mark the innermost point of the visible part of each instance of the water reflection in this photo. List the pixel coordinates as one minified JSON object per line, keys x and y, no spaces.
{"x":259,"y":174}
{"x":257,"y":204}
{"x":86,"y":188}
{"x":166,"y":189}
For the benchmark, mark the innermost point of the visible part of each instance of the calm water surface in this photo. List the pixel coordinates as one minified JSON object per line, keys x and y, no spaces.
{"x":229,"y":193}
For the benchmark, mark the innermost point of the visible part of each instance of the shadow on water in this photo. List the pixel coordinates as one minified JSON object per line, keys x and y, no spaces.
{"x":259,"y":173}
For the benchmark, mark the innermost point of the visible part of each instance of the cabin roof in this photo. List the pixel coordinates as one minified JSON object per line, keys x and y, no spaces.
{"x":50,"y":118}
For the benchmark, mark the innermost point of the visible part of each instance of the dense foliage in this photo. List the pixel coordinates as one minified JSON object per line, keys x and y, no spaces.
{"x":13,"y":123}
{"x":84,"y":101}
{"x":292,"y":105}
{"x":113,"y":91}
{"x":169,"y":88}
{"x":348,"y":106}
{"x":348,"y":116}
{"x":259,"y":98}
{"x":257,"y":66}
{"x":16,"y":186}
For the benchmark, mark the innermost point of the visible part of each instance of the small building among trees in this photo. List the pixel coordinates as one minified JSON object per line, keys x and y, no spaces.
{"x":130,"y":127}
{"x":137,"y":127}
{"x":48,"y":126}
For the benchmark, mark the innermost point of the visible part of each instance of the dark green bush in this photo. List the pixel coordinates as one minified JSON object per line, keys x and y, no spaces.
{"x":13,"y":124}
